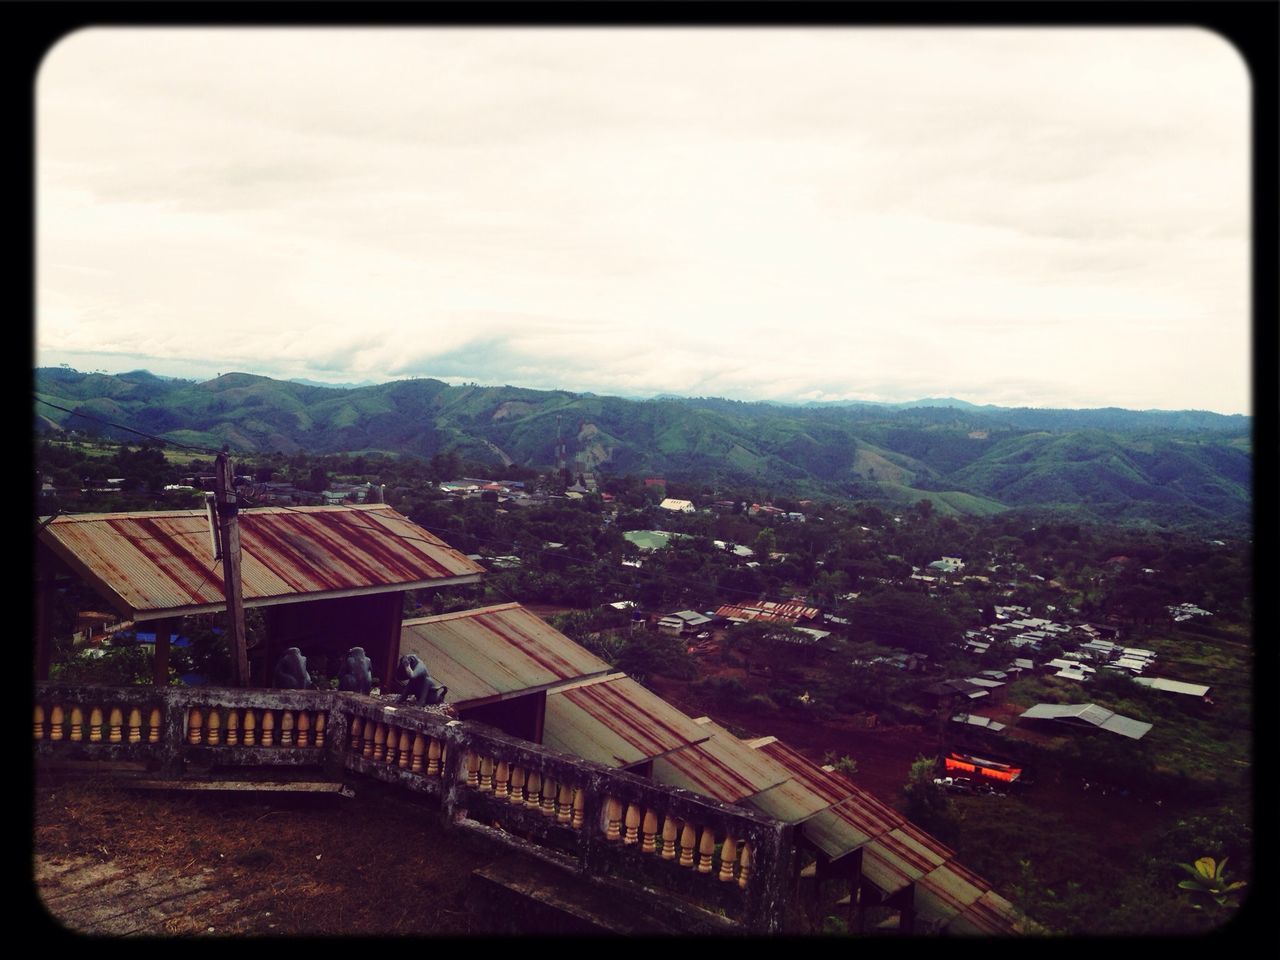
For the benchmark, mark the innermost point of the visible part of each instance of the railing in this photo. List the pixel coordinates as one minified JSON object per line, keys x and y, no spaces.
{"x":616,"y":827}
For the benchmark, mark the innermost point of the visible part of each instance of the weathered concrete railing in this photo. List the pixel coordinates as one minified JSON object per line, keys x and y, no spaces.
{"x":167,"y":726}
{"x":604,"y":822}
{"x":596,"y":820}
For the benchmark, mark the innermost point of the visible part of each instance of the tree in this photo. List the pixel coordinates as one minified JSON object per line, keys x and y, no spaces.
{"x":766,"y":543}
{"x":928,"y":804}
{"x":899,"y":618}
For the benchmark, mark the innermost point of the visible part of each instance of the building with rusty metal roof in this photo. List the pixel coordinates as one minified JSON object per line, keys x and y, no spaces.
{"x":326,"y":577}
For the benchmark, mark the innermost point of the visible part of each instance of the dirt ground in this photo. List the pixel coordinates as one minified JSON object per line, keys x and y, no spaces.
{"x":278,"y":864}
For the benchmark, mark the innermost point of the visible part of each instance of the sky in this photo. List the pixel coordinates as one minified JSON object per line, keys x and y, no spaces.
{"x":1028,"y":217}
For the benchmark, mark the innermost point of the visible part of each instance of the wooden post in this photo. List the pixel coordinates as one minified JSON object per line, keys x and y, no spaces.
{"x":160,"y":663}
{"x":229,"y":535}
{"x":44,"y":626}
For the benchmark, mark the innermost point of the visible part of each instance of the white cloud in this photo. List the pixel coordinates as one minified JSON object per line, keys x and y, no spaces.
{"x":760,"y":213}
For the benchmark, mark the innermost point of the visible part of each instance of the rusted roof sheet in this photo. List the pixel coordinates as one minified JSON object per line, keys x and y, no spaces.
{"x":616,"y":722}
{"x":900,"y":857}
{"x":831,"y":787}
{"x":768,"y":611}
{"x":991,"y":913}
{"x":497,"y":652}
{"x":943,"y":893}
{"x":790,"y":802}
{"x":723,"y":767}
{"x":156,"y":563}
{"x":847,"y":826}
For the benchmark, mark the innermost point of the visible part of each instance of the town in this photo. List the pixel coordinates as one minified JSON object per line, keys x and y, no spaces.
{"x":998,"y":680}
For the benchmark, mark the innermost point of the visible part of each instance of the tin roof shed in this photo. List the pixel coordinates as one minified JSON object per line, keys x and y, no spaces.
{"x":152,"y":565}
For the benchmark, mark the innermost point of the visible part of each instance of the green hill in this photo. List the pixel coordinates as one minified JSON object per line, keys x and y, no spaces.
{"x":975,"y":460}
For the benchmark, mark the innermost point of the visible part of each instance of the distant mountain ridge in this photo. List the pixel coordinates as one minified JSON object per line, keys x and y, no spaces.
{"x":1164,"y":466}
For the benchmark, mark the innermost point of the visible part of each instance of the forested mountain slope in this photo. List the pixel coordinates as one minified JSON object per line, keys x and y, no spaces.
{"x":1119,"y":464}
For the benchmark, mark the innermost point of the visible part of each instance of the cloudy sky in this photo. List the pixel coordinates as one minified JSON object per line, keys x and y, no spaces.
{"x":1042,"y":217}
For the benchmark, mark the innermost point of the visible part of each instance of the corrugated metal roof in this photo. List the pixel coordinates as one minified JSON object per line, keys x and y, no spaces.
{"x":492,"y":653}
{"x":990,"y":913}
{"x":722,"y":767}
{"x":946,"y":891}
{"x":903,"y":855}
{"x":1090,"y":713}
{"x":790,"y":802}
{"x":616,"y":722}
{"x":1173,"y":686}
{"x":154,"y":563}
{"x":768,"y":611}
{"x":845,"y":827}
{"x":831,"y":787}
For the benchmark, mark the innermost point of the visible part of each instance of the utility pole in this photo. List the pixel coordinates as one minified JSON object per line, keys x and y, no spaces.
{"x":227,"y":510}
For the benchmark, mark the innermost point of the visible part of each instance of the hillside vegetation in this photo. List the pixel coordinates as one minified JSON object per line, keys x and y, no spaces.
{"x":1171,"y":468}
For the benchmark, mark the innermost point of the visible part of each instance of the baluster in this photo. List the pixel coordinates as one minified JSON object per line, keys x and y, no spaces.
{"x":744,"y":865}
{"x":564,"y":805}
{"x":153,"y":726}
{"x":380,"y":742}
{"x":195,"y":725}
{"x":304,"y":728}
{"x":213,"y":727}
{"x":728,"y":858}
{"x":77,"y":724}
{"x":579,"y":808}
{"x":688,"y":837}
{"x":391,"y":745}
{"x":405,"y":743}
{"x":549,"y":797}
{"x":706,"y":847}
{"x":38,"y":729}
{"x":648,"y":831}
{"x":268,"y":735}
{"x":533,"y":790}
{"x":233,"y":727}
{"x":419,"y":749}
{"x":517,"y":786}
{"x":287,"y":723}
{"x":633,"y":824}
{"x":135,"y":725}
{"x":55,"y":722}
{"x":435,"y":751}
{"x":473,"y":769}
{"x":613,"y":815}
{"x":322,"y":721}
{"x":502,"y":780}
{"x":357,"y":734}
{"x":115,"y":723}
{"x":250,"y":728}
{"x":486,"y":775}
{"x":669,"y":837}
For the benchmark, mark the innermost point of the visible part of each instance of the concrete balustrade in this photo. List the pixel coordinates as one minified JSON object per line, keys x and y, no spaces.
{"x":618,"y":827}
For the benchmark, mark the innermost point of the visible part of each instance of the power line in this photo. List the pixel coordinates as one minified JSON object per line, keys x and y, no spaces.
{"x":121,"y":426}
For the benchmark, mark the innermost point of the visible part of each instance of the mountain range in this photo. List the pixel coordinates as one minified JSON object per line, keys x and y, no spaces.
{"x":1167,"y":467}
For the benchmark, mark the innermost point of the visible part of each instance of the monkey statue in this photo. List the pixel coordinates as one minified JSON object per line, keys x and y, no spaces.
{"x":291,"y":671}
{"x":418,"y":683}
{"x":357,"y":674}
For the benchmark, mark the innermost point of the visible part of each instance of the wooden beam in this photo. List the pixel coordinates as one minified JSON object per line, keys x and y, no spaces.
{"x":229,"y":532}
